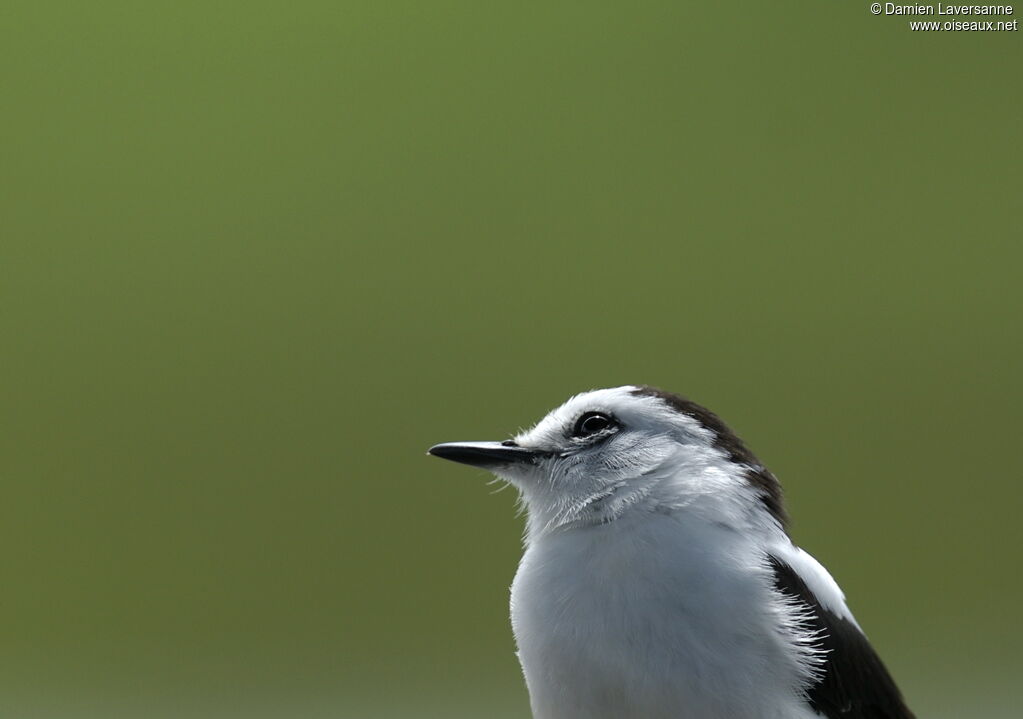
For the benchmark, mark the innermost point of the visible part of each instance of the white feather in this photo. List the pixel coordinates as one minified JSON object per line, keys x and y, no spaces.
{"x":645,"y":590}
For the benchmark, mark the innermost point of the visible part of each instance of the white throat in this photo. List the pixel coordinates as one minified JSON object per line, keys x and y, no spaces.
{"x":697,"y":480}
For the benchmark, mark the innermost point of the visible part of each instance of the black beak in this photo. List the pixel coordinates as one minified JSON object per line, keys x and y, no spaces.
{"x":487,"y":455}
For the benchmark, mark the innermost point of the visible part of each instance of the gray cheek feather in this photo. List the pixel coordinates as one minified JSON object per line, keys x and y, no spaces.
{"x":636,"y":454}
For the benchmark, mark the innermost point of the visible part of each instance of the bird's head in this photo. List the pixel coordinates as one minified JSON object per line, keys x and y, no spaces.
{"x":611,"y":452}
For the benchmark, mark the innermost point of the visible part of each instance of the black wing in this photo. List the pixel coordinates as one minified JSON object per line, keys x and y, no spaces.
{"x":855,"y":683}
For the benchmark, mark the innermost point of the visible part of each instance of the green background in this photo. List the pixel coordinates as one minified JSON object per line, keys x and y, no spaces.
{"x":256,"y":257}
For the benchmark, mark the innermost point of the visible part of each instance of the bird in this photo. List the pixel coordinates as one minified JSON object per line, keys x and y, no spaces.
{"x":658,"y":578}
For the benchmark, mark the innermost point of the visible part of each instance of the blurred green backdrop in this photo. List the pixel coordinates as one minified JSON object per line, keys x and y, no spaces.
{"x":256,"y":257}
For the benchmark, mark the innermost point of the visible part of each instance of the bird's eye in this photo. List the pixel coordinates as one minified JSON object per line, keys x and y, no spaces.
{"x":591,"y":423}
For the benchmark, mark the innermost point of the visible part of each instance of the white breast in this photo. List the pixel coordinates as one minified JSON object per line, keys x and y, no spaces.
{"x":653,"y":617}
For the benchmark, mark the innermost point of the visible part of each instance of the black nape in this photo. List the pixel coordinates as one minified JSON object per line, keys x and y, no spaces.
{"x":734,"y":448}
